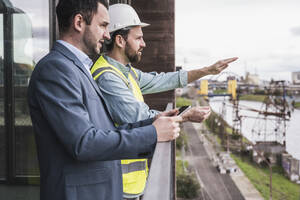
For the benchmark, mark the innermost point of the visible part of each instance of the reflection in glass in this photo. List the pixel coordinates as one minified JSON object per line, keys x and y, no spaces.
{"x":2,"y":133}
{"x":23,"y":66}
{"x":30,"y":43}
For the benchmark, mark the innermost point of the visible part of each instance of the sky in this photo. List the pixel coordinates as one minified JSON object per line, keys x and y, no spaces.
{"x":264,"y":34}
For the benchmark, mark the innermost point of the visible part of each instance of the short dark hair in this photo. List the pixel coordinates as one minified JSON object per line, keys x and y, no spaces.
{"x":110,"y":44}
{"x":67,"y":9}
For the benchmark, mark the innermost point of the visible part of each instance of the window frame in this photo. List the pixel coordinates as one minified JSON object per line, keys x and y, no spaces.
{"x":9,"y":91}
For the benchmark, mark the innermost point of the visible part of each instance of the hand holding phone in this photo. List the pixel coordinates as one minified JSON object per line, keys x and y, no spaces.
{"x":183,"y":109}
{"x":196,"y":114}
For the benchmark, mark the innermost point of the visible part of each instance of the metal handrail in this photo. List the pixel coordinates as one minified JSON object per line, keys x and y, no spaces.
{"x":161,"y":179}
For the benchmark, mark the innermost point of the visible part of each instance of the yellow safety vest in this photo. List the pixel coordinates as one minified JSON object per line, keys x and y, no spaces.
{"x":134,"y":171}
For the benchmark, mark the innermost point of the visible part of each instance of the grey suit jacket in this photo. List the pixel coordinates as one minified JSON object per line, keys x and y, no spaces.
{"x":77,"y":143}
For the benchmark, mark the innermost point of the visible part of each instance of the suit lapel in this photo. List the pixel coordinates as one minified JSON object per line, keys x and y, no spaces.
{"x":66,"y":52}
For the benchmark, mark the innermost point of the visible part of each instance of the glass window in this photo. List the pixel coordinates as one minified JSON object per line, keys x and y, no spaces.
{"x":30,"y":43}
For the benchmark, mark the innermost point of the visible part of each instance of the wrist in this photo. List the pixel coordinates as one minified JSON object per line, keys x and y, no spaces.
{"x":185,"y":118}
{"x":206,"y":70}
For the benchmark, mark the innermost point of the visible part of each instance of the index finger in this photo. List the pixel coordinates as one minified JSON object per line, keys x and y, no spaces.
{"x":229,"y":60}
{"x":204,"y":107}
{"x":172,"y":112}
{"x":177,"y":119}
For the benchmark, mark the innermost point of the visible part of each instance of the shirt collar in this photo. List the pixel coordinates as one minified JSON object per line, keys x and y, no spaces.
{"x":123,"y":68}
{"x":83,"y":58}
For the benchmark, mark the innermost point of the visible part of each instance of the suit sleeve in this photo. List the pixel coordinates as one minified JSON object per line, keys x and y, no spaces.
{"x":146,"y":122}
{"x":59,"y":95}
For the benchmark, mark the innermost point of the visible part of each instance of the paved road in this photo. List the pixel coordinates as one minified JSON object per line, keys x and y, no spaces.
{"x":217,"y":186}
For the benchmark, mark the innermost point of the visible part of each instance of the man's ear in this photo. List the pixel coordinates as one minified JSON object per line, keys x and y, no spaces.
{"x":119,"y":41}
{"x":78,"y":22}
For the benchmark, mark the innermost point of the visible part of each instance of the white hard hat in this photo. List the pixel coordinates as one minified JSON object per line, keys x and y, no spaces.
{"x":122,"y":16}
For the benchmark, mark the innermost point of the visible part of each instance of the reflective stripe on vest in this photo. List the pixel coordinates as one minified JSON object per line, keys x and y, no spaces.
{"x":134,"y":171}
{"x":131,"y":167}
{"x":101,"y":70}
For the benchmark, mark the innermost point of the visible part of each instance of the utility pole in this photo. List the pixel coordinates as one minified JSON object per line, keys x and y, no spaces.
{"x":269,"y":163}
{"x":223,"y":128}
{"x":270,"y":166}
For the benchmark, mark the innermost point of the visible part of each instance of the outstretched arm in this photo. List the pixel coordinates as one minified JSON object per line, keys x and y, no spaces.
{"x":210,"y":70}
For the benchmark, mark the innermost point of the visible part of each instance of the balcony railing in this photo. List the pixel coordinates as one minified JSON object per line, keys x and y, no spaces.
{"x":161,"y":180}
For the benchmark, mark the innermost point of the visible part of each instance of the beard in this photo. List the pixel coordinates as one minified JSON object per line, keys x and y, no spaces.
{"x":93,"y":47}
{"x":132,"y":55}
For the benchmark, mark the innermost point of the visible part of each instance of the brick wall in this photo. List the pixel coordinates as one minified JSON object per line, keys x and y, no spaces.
{"x":159,"y":55}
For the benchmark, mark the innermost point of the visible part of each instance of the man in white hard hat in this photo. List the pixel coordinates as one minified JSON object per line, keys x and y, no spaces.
{"x":79,"y":148}
{"x":123,"y":86}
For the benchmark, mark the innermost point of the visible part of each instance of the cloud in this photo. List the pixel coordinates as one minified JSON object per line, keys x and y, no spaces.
{"x":296,"y":31}
{"x":207,"y":31}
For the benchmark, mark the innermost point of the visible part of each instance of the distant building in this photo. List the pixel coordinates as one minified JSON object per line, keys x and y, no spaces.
{"x":296,"y":77}
{"x":252,"y":79}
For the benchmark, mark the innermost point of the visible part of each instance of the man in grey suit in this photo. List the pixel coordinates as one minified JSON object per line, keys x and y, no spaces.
{"x":78,"y":145}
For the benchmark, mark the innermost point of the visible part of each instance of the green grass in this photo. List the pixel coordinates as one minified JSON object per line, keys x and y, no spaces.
{"x":179,"y":166}
{"x":297,"y":105}
{"x":220,"y":91}
{"x":228,"y":130}
{"x":219,"y":141}
{"x":259,"y":177}
{"x":178,"y":154}
{"x":186,"y":183}
{"x":252,"y":97}
{"x":182,"y":141}
{"x":180,"y":101}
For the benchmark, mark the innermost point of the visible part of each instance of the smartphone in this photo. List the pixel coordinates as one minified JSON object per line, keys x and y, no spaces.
{"x":183,"y":109}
